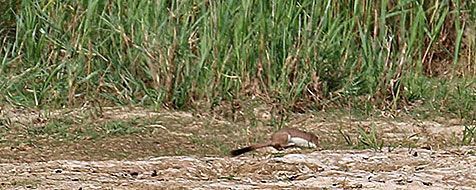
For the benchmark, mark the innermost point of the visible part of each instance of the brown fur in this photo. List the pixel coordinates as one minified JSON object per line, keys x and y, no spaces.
{"x":280,"y":140}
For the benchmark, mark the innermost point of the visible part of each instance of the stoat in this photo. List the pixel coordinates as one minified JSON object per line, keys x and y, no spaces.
{"x":284,"y":138}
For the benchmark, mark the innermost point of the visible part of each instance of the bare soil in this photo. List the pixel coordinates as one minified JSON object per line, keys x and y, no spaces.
{"x":181,"y":150}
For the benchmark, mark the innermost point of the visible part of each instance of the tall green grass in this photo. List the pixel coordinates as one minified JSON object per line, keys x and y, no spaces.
{"x":302,"y":53}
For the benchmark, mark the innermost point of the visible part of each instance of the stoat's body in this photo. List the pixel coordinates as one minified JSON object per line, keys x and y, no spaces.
{"x":281,"y":139}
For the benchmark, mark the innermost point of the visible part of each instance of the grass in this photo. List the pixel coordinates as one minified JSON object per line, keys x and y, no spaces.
{"x":228,"y":57}
{"x":370,"y":139}
{"x":468,"y":135}
{"x":66,"y":129}
{"x":303,"y":55}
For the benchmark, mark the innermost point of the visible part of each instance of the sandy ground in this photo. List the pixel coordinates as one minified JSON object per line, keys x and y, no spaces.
{"x":398,"y":169}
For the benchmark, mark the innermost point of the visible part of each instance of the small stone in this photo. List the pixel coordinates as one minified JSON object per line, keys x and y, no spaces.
{"x":292,"y":178}
{"x":357,"y":186}
{"x":134,"y":173}
{"x":154,"y":173}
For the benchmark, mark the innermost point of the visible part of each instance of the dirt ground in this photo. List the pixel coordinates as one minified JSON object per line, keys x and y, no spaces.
{"x":131,"y":148}
{"x":399,"y":169}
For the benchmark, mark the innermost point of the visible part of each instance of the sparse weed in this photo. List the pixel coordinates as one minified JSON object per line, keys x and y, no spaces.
{"x":346,"y":137}
{"x":53,"y":129}
{"x":468,"y":134}
{"x":370,"y":139}
{"x":69,"y":129}
{"x":120,"y":128}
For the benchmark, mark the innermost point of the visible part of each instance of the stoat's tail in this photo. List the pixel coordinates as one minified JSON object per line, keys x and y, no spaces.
{"x":240,"y":151}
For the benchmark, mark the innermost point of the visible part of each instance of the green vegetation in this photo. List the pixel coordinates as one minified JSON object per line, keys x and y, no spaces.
{"x":67,"y":129}
{"x":301,"y":54}
{"x":468,"y":135}
{"x":370,"y":139}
